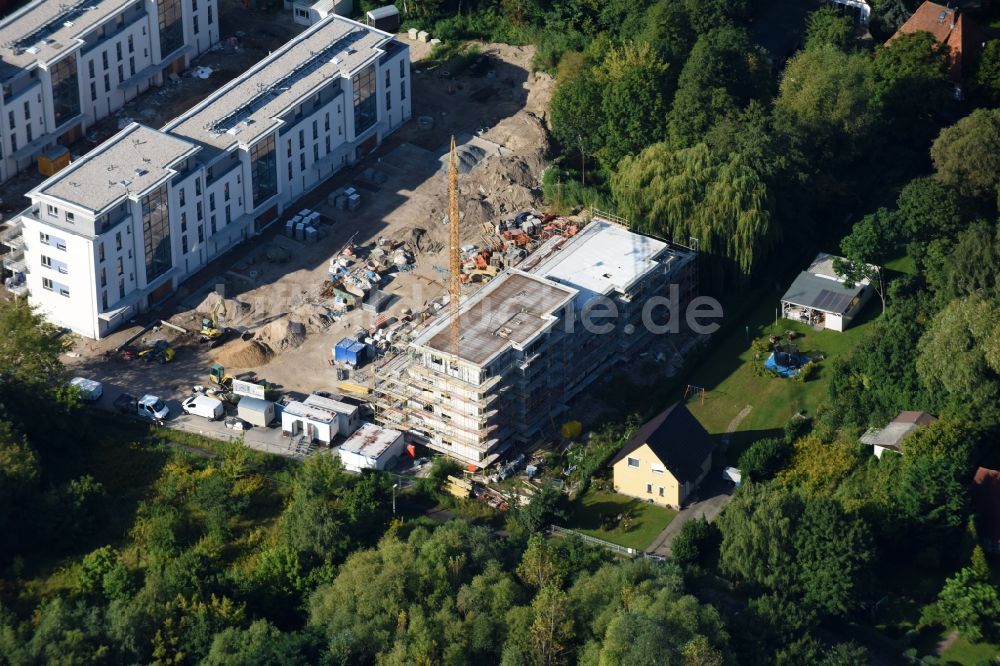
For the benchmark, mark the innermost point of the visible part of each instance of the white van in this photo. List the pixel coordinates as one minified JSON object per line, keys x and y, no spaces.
{"x":89,"y":389}
{"x":203,"y":405}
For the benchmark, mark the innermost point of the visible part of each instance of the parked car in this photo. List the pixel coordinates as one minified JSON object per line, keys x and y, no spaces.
{"x":234,"y":423}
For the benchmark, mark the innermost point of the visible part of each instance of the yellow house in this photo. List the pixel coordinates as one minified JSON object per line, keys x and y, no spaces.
{"x":665,"y":460}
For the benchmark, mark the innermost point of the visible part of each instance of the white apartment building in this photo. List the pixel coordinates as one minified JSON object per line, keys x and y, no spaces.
{"x":117,"y":231}
{"x":65,"y":65}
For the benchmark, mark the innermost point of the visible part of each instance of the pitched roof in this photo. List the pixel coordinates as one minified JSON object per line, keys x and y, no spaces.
{"x":986,"y":502}
{"x":948,"y":26}
{"x":677,"y":439}
{"x":821,"y":293}
{"x":890,"y":436}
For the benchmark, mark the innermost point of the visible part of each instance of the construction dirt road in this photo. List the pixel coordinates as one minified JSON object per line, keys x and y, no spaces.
{"x":274,"y":286}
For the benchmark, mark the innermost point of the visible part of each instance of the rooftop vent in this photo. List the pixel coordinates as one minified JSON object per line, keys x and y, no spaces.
{"x":124,"y":182}
{"x":33,"y":50}
{"x":139,"y":172}
{"x":942,"y":16}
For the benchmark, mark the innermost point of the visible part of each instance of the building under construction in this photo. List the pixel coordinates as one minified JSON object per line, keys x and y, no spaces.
{"x":520,"y":350}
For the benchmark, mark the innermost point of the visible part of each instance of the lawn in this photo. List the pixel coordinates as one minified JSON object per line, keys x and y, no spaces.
{"x":731,"y":385}
{"x":647,"y":520}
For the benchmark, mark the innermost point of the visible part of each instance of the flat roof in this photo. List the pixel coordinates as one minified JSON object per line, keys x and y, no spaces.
{"x":46,"y":29}
{"x":604,"y":257}
{"x":510,"y":310}
{"x":301,"y":409}
{"x":370,"y":440}
{"x":330,"y":405}
{"x":821,"y":293}
{"x":249,"y":106}
{"x":131,"y":162}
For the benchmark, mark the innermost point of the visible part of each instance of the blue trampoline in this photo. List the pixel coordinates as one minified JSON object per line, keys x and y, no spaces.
{"x":785,"y":364}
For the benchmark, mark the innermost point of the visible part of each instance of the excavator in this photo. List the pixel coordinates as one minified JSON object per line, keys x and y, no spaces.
{"x":210,"y":329}
{"x":218,"y":375}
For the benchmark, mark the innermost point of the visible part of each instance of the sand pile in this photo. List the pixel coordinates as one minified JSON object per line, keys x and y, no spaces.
{"x":243,"y":354}
{"x":232,"y":312}
{"x":282,"y":334}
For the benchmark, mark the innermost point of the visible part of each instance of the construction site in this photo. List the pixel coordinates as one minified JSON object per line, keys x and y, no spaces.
{"x":426,"y":282}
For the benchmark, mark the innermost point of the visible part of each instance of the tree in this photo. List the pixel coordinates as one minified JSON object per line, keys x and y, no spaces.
{"x":29,"y":348}
{"x":986,"y":81}
{"x":927,"y":209}
{"x":634,"y":100}
{"x":575,"y":108}
{"x":827,"y":26}
{"x":960,"y":353}
{"x":825,"y":103}
{"x":871,"y":243}
{"x":544,"y":507}
{"x":552,"y":627}
{"x":758,"y":536}
{"x":970,"y":267}
{"x":762,"y":460}
{"x":538,"y":566}
{"x":946,"y":438}
{"x":635,"y":639}
{"x":932,"y":497}
{"x":697,"y":543}
{"x":724,"y":72}
{"x":967,"y":155}
{"x":969,"y":604}
{"x":818,"y":467}
{"x":833,"y":551}
{"x":911,"y":84}
{"x":688,"y":193}
{"x":667,"y":28}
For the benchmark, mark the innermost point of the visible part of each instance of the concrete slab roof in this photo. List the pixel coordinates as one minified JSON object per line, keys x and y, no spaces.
{"x":43,"y":30}
{"x":370,"y":440}
{"x":509,"y":311}
{"x":131,"y":162}
{"x":603,"y":258}
{"x":249,"y":106}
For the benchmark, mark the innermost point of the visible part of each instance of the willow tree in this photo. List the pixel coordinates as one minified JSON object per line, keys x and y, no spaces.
{"x":691,"y":193}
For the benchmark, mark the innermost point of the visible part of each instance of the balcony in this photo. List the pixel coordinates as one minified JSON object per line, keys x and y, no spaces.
{"x":13,"y":235}
{"x":14,"y":261}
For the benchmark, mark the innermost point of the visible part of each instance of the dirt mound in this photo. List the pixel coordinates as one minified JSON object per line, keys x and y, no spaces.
{"x":313,"y":316}
{"x":231,"y":311}
{"x":243,"y":354}
{"x":282,"y":334}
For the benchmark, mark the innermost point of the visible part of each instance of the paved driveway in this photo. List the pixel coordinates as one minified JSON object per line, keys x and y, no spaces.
{"x":715,"y":495}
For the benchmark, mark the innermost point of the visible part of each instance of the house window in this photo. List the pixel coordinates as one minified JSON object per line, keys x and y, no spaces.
{"x":197,"y":28}
{"x":180,"y":196}
{"x":225,"y":192}
{"x":661,"y":491}
{"x":131,"y":45}
{"x":201,"y":234}
{"x":184,"y":244}
{"x":326,"y":122}
{"x":402,"y":69}
{"x":118,"y":241}
{"x":10,"y":119}
{"x":200,"y":214}
{"x":315,"y":129}
{"x":633,"y":462}
{"x":649,"y":488}
{"x":229,"y":217}
{"x":184,"y":222}
{"x":121,"y":288}
{"x":93,"y":91}
{"x":118,"y":51}
{"x":657,"y":469}
{"x":107,"y":83}
{"x":121,"y":266}
{"x":104,"y":300}
{"x":210,"y":17}
{"x":197,"y":187}
{"x":289,"y":171}
{"x":211,"y":224}
{"x":104,"y":60}
{"x":104,"y":278}
{"x":46,"y":261}
{"x":47,"y":284}
{"x":28,"y":131}
{"x":52,"y":210}
{"x":388,"y":101}
{"x":100,"y":252}
{"x":327,"y":145}
{"x":302,"y":139}
{"x":211,"y":201}
{"x":302,"y":161}
{"x":27,"y":111}
{"x":90,"y":68}
{"x":44,"y":238}
{"x":315,"y":152}
{"x":70,"y":217}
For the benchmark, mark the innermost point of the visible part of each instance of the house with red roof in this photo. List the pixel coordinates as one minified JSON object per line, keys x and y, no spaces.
{"x":986,"y":503}
{"x":950,"y":27}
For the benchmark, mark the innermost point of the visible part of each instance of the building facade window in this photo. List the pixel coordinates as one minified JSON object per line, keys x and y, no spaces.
{"x":118,"y":241}
{"x":184,"y":244}
{"x":47,"y":284}
{"x":104,"y":60}
{"x":100,"y":251}
{"x":170,"y":20}
{"x":649,"y":488}
{"x":52,"y":210}
{"x":181,"y":198}
{"x":365,"y":104}
{"x":184,"y":222}
{"x":121,"y":288}
{"x":46,"y":261}
{"x":211,"y":202}
{"x":104,"y":300}
{"x":121,"y":266}
{"x":633,"y":463}
{"x":156,"y":233}
{"x":263,"y":171}
{"x":225,"y":192}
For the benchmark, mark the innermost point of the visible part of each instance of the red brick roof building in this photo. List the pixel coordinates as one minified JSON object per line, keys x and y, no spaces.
{"x":948,"y":26}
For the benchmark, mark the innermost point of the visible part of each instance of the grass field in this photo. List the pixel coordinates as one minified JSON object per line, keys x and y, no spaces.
{"x":731,"y":385}
{"x":647,"y":522}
